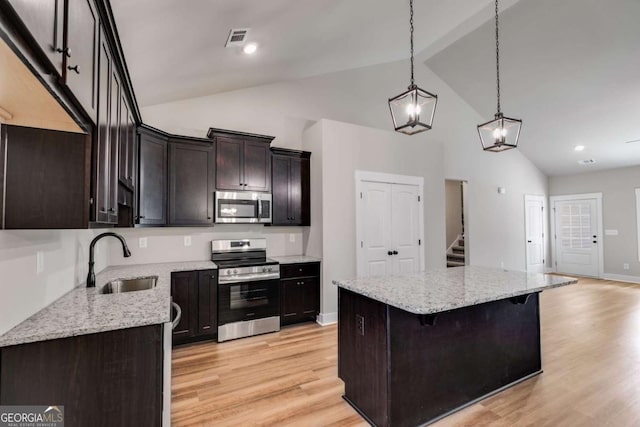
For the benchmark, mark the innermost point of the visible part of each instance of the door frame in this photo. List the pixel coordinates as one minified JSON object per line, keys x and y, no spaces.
{"x":386,"y":178}
{"x":545,"y":240}
{"x":585,"y":196}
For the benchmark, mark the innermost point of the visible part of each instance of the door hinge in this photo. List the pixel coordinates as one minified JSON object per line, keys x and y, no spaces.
{"x":419,"y":242}
{"x":361,"y":244}
{"x":418,"y":198}
{"x":361,"y":194}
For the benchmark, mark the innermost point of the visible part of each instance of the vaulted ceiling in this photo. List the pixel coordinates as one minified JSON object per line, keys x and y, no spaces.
{"x":570,"y":68}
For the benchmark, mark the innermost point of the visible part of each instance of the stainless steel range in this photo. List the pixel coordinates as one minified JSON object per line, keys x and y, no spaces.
{"x":248,"y":288}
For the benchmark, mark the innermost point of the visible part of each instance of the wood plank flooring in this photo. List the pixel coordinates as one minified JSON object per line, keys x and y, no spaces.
{"x":591,"y":362}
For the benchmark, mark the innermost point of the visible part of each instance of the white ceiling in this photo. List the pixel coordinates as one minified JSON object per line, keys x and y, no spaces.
{"x":175,"y":48}
{"x":570,"y":70}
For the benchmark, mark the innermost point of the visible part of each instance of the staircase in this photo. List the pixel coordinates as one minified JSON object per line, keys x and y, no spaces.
{"x":455,"y":253}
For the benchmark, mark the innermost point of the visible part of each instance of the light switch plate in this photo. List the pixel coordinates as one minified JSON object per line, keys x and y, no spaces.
{"x":625,"y":266}
{"x":142,"y":242}
{"x":187,"y":240}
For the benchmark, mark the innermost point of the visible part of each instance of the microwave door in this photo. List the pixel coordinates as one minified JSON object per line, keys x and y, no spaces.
{"x":233,"y":210}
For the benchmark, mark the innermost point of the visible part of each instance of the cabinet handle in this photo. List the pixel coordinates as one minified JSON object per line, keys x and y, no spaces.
{"x":395,"y":252}
{"x":208,"y":217}
{"x":75,"y":68}
{"x":141,"y":217}
{"x":111,"y":210}
{"x":66,"y":51}
{"x":389,"y":253}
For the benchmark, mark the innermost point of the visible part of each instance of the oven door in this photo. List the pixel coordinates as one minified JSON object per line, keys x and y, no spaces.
{"x":243,"y":301}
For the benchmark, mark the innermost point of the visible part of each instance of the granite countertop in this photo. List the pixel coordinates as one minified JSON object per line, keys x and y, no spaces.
{"x":441,"y":290}
{"x":295,"y":259}
{"x":84,"y":311}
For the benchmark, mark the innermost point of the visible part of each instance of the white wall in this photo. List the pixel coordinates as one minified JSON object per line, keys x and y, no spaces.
{"x":618,"y":210}
{"x":166,"y":244}
{"x":65,"y":256}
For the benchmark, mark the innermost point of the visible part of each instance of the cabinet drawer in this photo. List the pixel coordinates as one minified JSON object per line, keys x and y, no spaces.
{"x":311,"y":269}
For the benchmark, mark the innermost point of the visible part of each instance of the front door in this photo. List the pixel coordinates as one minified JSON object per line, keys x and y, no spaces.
{"x":534,"y":230}
{"x":576,"y":237}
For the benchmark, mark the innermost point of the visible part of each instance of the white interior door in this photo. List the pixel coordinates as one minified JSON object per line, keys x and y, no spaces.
{"x":534,"y":233}
{"x":576,"y":237}
{"x":404,"y":228}
{"x":376,"y":228}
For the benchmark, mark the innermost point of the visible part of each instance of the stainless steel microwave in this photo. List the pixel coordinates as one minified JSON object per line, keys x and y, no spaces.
{"x":243,"y":207}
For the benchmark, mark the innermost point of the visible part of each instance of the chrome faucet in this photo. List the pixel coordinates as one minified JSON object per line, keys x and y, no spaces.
{"x":91,"y":277}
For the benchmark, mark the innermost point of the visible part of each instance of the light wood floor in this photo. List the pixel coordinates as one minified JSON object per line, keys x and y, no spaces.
{"x":591,"y":362}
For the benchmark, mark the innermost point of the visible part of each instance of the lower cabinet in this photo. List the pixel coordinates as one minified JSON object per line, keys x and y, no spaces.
{"x":299,"y":292}
{"x":196,"y":292}
{"x":111,"y":378}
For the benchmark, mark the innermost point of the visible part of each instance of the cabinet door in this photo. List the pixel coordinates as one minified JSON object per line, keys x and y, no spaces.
{"x":184,"y":292}
{"x":125,"y":142}
{"x":280,"y":190}
{"x":131,"y":151}
{"x":310,"y":297}
{"x":102,"y":147}
{"x":291,"y":301}
{"x":257,"y":166}
{"x":82,"y":41}
{"x":44,"y":20}
{"x":152,"y":208}
{"x":207,"y":302}
{"x":229,"y":173}
{"x":114,"y":146}
{"x":190,"y":184}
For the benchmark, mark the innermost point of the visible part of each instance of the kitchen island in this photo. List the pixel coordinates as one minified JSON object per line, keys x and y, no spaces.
{"x":413,"y":349}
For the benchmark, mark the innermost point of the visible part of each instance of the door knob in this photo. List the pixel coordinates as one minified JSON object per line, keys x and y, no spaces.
{"x":75,"y":68}
{"x":395,"y":252}
{"x":389,"y":253}
{"x":594,"y":236}
{"x":595,"y":241}
{"x":66,"y":51}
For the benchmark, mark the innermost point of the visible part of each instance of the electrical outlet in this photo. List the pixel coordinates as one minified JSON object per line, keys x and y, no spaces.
{"x":360,"y":324}
{"x":625,"y":266}
{"x":292,"y":237}
{"x":142,"y":242}
{"x":39,"y":262}
{"x":187,"y":240}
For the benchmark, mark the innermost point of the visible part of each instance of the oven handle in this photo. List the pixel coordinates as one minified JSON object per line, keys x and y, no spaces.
{"x":248,"y":278}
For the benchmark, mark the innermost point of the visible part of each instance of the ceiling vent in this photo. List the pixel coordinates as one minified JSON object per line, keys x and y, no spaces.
{"x":237,"y":37}
{"x":587,"y":162}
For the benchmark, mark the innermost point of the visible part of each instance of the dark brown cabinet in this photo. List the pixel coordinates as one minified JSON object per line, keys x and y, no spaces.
{"x":44,"y":20}
{"x":291,"y":187}
{"x":191,"y":171}
{"x":299,"y":292}
{"x":82,"y":30}
{"x":196,"y":292}
{"x":107,"y":379}
{"x":152,"y":194}
{"x":243,"y":161}
{"x":46,"y":178}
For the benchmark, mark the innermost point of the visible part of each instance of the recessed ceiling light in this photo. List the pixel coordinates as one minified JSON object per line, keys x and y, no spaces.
{"x":586,"y":162}
{"x":250,"y":48}
{"x":578,"y":147}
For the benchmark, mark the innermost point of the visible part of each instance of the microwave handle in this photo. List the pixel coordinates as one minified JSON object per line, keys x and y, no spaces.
{"x":259,"y":208}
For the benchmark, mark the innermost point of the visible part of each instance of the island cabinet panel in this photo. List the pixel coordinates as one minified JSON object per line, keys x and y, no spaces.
{"x":191,"y":169}
{"x":152,"y":207}
{"x":291,"y":176}
{"x":82,"y":43}
{"x":404,"y":369}
{"x":106,"y":379}
{"x":46,"y":178}
{"x":44,"y":21}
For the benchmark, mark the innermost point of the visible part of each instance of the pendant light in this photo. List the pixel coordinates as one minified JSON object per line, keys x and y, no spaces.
{"x":501,"y":133}
{"x":412,"y":111}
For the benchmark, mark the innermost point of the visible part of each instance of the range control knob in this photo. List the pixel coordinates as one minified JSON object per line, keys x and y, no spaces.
{"x":235,"y":271}
{"x":264,"y":269}
{"x":270,"y":269}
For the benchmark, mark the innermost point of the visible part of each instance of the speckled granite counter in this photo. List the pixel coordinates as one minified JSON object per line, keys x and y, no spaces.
{"x":440,"y":290}
{"x":84,"y":311}
{"x":295,"y":259}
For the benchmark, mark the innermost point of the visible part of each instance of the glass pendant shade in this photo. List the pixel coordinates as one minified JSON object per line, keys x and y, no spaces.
{"x":412,"y":111}
{"x":500,"y":134}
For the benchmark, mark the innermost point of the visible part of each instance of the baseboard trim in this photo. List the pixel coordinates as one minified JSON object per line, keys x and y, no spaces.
{"x":325,"y":319}
{"x":622,"y":278}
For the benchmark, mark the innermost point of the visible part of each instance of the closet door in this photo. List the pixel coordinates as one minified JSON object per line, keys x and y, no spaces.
{"x":405,"y":229}
{"x":377,"y":259}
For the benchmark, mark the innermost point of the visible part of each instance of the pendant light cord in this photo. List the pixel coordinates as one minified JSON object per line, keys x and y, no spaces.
{"x":497,"y":58}
{"x":411,"y":27}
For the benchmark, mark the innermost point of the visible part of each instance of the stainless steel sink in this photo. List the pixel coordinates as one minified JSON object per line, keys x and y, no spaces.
{"x":129,"y":285}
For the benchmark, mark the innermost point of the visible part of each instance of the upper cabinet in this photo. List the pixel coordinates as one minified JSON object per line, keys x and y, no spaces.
{"x":44,"y":22}
{"x":152,"y":205}
{"x":243,"y":161}
{"x":81,"y":49}
{"x":291,"y":187}
{"x":191,"y":167}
